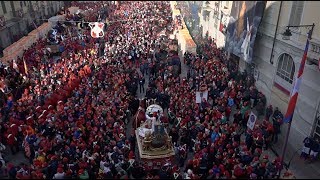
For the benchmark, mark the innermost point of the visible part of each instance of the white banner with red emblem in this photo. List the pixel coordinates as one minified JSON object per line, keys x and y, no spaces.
{"x":96,"y":29}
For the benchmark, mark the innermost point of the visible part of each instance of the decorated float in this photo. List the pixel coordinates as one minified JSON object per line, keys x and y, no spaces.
{"x":154,"y":143}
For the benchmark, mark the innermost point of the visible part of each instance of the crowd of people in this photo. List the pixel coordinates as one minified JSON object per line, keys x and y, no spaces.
{"x":71,"y":119}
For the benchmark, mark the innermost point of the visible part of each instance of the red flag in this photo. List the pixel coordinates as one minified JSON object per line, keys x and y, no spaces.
{"x":221,"y":27}
{"x":295,"y":91}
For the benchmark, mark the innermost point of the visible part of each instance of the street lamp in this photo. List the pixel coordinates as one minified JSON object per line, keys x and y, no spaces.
{"x":295,"y":92}
{"x":287,"y":34}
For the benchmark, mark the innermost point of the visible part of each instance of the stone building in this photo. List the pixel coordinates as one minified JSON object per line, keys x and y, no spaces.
{"x":276,"y":61}
{"x":17,"y":18}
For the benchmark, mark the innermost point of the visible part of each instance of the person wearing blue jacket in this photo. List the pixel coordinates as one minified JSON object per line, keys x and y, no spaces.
{"x":230,"y":101}
{"x":214,"y":135}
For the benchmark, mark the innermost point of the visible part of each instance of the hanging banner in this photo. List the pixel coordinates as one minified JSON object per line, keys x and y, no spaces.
{"x":244,"y":20}
{"x":96,"y":29}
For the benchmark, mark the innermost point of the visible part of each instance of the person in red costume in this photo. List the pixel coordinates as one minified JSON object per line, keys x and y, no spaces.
{"x":12,"y":142}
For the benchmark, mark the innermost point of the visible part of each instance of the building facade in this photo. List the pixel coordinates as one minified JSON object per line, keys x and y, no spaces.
{"x":17,"y":18}
{"x":276,"y":61}
{"x":212,"y":17}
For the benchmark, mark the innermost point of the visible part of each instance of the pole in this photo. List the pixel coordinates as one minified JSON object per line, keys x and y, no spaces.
{"x":285,"y":147}
{"x":296,"y":84}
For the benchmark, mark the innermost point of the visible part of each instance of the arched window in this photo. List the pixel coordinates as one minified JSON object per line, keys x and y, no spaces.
{"x":286,"y":68}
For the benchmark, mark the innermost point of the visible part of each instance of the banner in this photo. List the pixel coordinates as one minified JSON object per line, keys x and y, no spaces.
{"x":244,"y":20}
{"x":201,"y":95}
{"x":251,"y":121}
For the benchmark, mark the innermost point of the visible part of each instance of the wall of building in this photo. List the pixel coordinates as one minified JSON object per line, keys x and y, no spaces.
{"x":212,"y":23}
{"x":16,"y":27}
{"x":304,"y":116}
{"x":274,"y":87}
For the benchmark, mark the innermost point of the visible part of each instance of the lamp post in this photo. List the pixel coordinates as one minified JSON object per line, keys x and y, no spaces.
{"x":294,"y":94}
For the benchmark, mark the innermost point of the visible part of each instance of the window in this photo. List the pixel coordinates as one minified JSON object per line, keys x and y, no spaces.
{"x":24,"y":2}
{"x":296,"y":12}
{"x":216,"y":20}
{"x":316,"y":132}
{"x":21,"y":4}
{"x":12,"y":8}
{"x":3,"y":7}
{"x":227,"y":4}
{"x":286,"y":68}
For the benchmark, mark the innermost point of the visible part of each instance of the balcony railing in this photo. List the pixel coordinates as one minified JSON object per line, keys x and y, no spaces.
{"x":314,"y":52}
{"x":315,"y":48}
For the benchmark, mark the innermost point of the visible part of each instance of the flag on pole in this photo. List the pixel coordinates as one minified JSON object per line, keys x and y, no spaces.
{"x":295,"y":91}
{"x":25,"y":66}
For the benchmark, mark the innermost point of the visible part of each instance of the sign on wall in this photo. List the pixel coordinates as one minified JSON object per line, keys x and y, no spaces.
{"x":245,"y":18}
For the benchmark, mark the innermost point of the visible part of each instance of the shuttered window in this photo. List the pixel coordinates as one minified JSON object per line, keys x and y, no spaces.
{"x":4,"y":9}
{"x":296,"y":13}
{"x":216,"y":20}
{"x":316,"y":132}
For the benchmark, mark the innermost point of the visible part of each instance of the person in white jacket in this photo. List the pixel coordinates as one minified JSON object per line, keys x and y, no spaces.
{"x":60,"y":174}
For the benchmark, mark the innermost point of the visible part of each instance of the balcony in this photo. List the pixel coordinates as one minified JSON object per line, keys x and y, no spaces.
{"x":314,"y":52}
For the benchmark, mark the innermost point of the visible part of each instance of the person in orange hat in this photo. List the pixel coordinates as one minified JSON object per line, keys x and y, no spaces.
{"x":29,"y":131}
